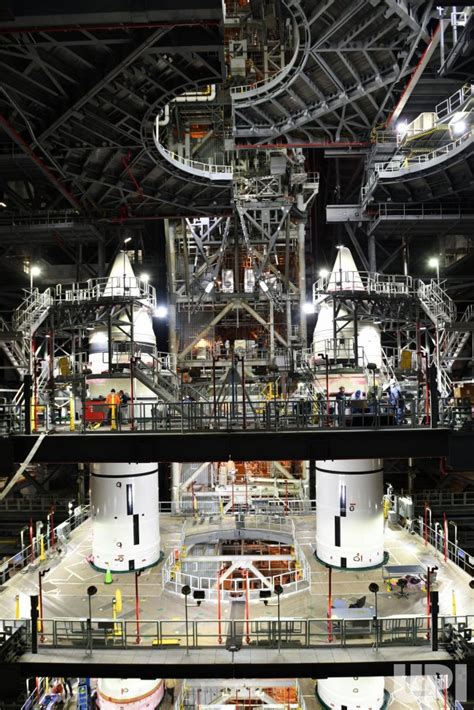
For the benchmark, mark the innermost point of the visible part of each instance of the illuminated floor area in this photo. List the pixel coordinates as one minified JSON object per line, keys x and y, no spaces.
{"x":64,"y":586}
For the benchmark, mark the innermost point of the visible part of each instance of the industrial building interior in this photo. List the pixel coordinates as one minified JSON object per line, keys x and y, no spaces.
{"x":237,"y":354}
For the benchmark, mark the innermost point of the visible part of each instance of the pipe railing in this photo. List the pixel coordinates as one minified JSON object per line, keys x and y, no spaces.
{"x":51,"y":542}
{"x":400,"y":163}
{"x":294,"y":632}
{"x":454,"y":102}
{"x":197,"y":168}
{"x":264,"y":414}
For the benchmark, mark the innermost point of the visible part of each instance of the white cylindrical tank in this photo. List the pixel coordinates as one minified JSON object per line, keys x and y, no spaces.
{"x":129,"y":693}
{"x":349,"y":518}
{"x":125,"y":518}
{"x":352,"y":693}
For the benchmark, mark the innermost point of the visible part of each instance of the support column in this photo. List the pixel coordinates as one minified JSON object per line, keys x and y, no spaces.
{"x":372,"y":255}
{"x":101,"y":258}
{"x":175,"y":482}
{"x":302,"y":281}
{"x":171,"y":264}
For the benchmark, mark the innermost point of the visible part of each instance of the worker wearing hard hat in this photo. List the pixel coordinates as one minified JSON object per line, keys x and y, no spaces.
{"x":113,"y":403}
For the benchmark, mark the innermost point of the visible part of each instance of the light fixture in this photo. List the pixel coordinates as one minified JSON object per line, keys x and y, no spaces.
{"x":433,"y":262}
{"x":459,"y":127}
{"x":324,"y":273}
{"x":161,"y":312}
{"x":35,"y":270}
{"x":128,"y":239}
{"x":263,"y":286}
{"x":308,"y":307}
{"x":402,"y":128}
{"x":209,"y":287}
{"x":145,"y":277}
{"x":99,"y":336}
{"x":3,"y":204}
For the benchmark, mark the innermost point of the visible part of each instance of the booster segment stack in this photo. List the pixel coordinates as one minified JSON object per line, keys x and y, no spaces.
{"x":125,"y":518}
{"x":129,"y":693}
{"x":349,"y":493}
{"x":352,"y":693}
{"x":124,"y":496}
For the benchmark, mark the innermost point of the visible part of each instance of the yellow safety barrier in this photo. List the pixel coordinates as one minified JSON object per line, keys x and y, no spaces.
{"x":17,"y":606}
{"x":165,"y":642}
{"x":72,"y":424}
{"x":33,"y":415}
{"x":113,"y":417}
{"x":453,"y":602}
{"x":118,"y":600}
{"x":42,"y":555}
{"x":117,"y":630}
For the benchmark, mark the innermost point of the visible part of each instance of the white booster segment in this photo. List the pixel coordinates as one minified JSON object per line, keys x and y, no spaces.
{"x":125,"y":518}
{"x":349,"y":493}
{"x":129,"y":693}
{"x":352,"y":693}
{"x":349,"y":520}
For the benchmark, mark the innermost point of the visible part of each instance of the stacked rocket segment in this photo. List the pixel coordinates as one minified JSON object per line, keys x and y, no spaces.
{"x":125,"y":517}
{"x":124,"y":496}
{"x":352,"y":693}
{"x":129,"y":693}
{"x":349,"y":493}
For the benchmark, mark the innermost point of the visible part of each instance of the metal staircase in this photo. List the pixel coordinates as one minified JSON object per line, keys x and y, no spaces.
{"x":32,"y":312}
{"x":14,"y":347}
{"x":455,"y":341}
{"x":161,"y":386}
{"x":436,"y":303}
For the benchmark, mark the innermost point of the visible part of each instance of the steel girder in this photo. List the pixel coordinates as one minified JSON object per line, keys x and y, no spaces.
{"x":348,"y":63}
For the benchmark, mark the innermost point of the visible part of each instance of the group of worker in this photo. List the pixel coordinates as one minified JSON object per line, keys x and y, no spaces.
{"x":392,"y":390}
{"x":117,"y":403}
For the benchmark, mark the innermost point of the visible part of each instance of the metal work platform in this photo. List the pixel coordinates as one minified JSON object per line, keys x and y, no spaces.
{"x":307,"y":638}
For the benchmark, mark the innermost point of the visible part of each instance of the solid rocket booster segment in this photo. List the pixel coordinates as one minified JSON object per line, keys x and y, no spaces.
{"x":352,"y":693}
{"x":349,"y":493}
{"x":125,"y":518}
{"x":129,"y":693}
{"x":349,"y":521}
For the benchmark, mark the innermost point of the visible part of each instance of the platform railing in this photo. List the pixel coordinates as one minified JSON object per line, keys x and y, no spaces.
{"x":51,"y":543}
{"x":402,"y":162}
{"x":454,"y":102}
{"x":435,"y":538}
{"x":262,"y":415}
{"x":212,"y":171}
{"x":293,"y":632}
